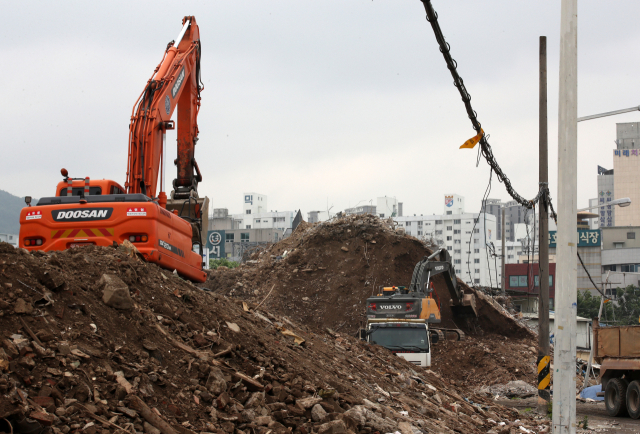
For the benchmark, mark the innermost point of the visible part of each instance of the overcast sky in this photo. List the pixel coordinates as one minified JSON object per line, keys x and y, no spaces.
{"x":313,"y":102}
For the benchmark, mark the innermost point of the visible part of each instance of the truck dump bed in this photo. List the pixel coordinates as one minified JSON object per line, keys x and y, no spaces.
{"x":620,"y":342}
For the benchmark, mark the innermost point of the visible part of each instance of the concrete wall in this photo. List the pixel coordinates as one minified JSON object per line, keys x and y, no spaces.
{"x":10,"y":238}
{"x":584,"y":337}
{"x":626,"y":172}
{"x":387,"y":206}
{"x":453,"y":204}
{"x":619,"y":235}
{"x":592,"y":258}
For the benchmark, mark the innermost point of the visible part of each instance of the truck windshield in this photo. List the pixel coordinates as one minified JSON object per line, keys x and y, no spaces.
{"x":411,"y":338}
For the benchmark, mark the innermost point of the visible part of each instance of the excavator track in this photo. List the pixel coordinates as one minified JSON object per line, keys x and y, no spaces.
{"x":448,"y":334}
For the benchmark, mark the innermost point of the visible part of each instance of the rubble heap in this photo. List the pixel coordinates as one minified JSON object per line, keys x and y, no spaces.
{"x":94,"y":340}
{"x":323,"y":274}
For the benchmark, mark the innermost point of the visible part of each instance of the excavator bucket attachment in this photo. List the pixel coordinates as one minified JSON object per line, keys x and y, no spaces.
{"x":195,"y":211}
{"x":467,"y":309}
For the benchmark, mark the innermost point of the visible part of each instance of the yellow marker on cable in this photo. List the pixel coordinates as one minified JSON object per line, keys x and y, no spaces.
{"x":473,"y":141}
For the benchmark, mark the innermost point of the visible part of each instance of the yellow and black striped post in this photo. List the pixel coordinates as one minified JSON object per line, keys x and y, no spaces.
{"x":544,"y":377}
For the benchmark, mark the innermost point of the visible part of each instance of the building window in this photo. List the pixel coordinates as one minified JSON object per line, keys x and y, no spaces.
{"x":449,"y":237}
{"x":509,"y":256}
{"x":408,"y":224}
{"x":476,"y":241}
{"x":248,"y":211}
{"x":476,"y":250}
{"x":631,"y":235}
{"x":456,"y":261}
{"x":477,"y":270}
{"x":449,"y":228}
{"x":476,"y":261}
{"x":456,"y":241}
{"x":438,"y":232}
{"x":257,"y":221}
{"x":381,"y":216}
{"x":248,"y":227}
{"x":618,"y":245}
{"x":456,"y":231}
{"x":456,"y":221}
{"x":536,"y":280}
{"x":229,"y":237}
{"x":477,"y":231}
{"x":519,"y":281}
{"x":244,"y":237}
{"x":476,"y":281}
{"x":420,"y":224}
{"x":419,"y":232}
{"x":449,"y":212}
{"x":510,"y":248}
{"x":438,"y":222}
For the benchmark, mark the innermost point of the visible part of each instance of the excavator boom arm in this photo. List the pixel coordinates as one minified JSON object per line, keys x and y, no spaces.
{"x":426,"y":269}
{"x":175,"y":84}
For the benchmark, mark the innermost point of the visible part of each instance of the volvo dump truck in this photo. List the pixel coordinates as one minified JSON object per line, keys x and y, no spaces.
{"x":617,"y":350}
{"x":399,"y":318}
{"x":102,"y":212}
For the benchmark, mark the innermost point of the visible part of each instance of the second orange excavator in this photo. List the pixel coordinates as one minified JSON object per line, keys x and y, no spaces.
{"x":168,"y":231}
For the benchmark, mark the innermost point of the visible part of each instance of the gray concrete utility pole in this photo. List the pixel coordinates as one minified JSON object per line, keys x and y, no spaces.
{"x":564,"y":385}
{"x":504,"y":252}
{"x":544,"y":374}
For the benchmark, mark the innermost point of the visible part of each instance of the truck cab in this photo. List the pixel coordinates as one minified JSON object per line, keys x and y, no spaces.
{"x":398,"y":320}
{"x":408,"y":339}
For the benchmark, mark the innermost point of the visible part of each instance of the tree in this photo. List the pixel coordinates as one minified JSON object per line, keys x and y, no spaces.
{"x":222,"y":262}
{"x":625,"y":310}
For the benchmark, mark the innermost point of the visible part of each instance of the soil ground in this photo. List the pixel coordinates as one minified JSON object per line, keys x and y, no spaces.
{"x":598,"y":419}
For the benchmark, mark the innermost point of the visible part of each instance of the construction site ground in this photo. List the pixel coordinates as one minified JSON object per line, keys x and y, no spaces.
{"x":95,"y":339}
{"x":598,"y":421}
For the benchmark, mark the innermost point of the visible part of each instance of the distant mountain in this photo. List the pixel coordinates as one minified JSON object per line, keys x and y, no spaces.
{"x":10,"y":207}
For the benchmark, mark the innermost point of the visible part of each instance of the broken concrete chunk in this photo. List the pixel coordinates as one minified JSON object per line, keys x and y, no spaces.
{"x":345,"y":249}
{"x":333,"y":427}
{"x":216,"y":383}
{"x":307,"y":403}
{"x":10,"y":348}
{"x":233,"y":326}
{"x":22,"y":307}
{"x":115,"y":292}
{"x":52,"y":280}
{"x":45,"y":419}
{"x":318,"y":413}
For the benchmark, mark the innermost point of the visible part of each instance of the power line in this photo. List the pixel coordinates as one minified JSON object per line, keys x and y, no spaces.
{"x":487,"y":153}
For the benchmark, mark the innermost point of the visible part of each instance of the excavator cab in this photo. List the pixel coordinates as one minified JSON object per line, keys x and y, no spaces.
{"x":462,"y":305}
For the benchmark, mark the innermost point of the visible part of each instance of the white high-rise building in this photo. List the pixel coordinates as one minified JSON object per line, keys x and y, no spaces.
{"x":256,"y":216}
{"x":469,"y":238}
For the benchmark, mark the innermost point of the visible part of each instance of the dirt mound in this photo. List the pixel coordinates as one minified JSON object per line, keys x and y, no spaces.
{"x":323,"y":274}
{"x":179,"y":359}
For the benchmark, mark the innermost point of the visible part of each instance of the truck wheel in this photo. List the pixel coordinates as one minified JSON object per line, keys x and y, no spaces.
{"x":633,"y":399}
{"x":615,"y":397}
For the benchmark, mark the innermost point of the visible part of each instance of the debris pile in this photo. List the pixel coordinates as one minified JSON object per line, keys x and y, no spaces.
{"x":94,"y":340}
{"x":323,"y":273}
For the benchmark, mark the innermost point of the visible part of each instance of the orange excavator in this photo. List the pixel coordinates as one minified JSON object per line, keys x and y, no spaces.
{"x":166,"y":231}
